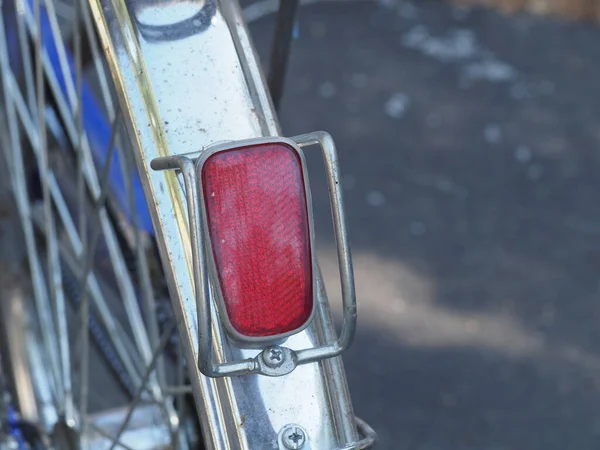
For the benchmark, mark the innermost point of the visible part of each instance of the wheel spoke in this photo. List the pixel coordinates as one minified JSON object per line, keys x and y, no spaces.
{"x":81,"y":201}
{"x":24,"y":46}
{"x":145,"y":379}
{"x":178,"y":390}
{"x":54,"y":270}
{"x":100,"y":431}
{"x":142,"y":268}
{"x":88,"y":253}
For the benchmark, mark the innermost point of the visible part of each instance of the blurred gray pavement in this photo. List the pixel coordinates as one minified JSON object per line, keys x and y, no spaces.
{"x":470,"y":147}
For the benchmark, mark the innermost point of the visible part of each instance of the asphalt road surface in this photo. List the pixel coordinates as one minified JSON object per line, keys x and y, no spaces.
{"x":470,"y":146}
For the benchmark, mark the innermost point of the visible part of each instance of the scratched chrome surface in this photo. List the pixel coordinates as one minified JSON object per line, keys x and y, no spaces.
{"x":188,"y":77}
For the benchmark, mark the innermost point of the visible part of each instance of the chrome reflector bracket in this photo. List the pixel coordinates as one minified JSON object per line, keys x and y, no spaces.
{"x":274,"y":360}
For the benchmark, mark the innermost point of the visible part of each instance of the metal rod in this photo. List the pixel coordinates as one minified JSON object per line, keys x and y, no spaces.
{"x":97,"y":59}
{"x":24,"y":45}
{"x":280,"y":51}
{"x":340,"y":232}
{"x":54,"y":270}
{"x":87,"y":254}
{"x":163,"y":341}
{"x":343,"y":413}
{"x":178,"y":390}
{"x":82,"y":223}
{"x":102,"y":432}
{"x":202,"y":293}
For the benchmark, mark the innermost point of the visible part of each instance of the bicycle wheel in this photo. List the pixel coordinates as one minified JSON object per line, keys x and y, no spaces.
{"x":89,"y":314}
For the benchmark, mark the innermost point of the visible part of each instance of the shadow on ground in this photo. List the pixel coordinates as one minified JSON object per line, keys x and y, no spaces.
{"x":469,"y":143}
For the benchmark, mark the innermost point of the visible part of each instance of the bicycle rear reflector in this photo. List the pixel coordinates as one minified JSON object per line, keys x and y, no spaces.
{"x":258,"y":222}
{"x":252,"y":252}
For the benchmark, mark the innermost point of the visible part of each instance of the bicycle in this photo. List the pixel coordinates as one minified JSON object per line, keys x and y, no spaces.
{"x":128,"y":137}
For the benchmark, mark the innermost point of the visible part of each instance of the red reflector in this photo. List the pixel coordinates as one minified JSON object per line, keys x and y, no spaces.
{"x":257,"y":215}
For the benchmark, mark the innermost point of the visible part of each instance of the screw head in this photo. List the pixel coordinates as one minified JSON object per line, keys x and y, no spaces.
{"x":293,"y":437}
{"x":273,"y":356}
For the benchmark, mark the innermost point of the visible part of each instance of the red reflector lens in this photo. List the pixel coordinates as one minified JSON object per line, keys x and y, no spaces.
{"x":257,"y":215}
